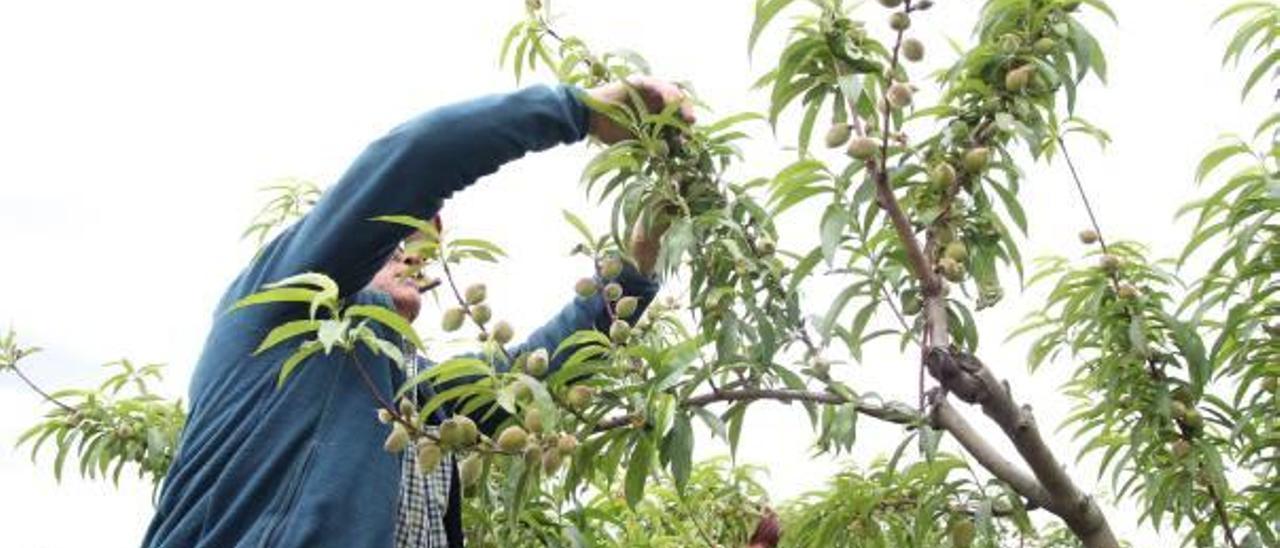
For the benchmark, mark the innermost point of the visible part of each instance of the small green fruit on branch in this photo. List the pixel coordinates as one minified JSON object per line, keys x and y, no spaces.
{"x":913,"y":50}
{"x":838,"y":135}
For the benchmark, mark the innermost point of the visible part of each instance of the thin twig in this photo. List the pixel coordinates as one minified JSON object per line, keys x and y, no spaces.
{"x":37,"y":389}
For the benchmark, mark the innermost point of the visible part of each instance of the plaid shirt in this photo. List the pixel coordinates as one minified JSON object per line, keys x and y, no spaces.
{"x":423,"y":497}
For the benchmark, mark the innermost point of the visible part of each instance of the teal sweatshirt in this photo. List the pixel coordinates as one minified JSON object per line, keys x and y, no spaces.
{"x":303,"y":464}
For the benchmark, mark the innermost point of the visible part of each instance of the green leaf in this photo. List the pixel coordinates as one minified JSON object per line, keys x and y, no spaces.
{"x":681,"y":453}
{"x":388,"y":318}
{"x":834,"y":221}
{"x":1216,"y":157}
{"x":1264,"y":66}
{"x":638,"y":470}
{"x":426,"y":227}
{"x":582,"y":337}
{"x":302,"y":353}
{"x":581,"y":226}
{"x":447,"y":371}
{"x":478,"y":244}
{"x":331,"y":332}
{"x":766,"y":10}
{"x":278,"y":295}
{"x":286,"y":332}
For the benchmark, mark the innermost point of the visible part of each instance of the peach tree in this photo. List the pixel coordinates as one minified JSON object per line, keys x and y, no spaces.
{"x":1174,"y":362}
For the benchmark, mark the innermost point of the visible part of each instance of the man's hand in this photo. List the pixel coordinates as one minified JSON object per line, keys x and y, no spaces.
{"x":657,"y":95}
{"x":645,"y":243}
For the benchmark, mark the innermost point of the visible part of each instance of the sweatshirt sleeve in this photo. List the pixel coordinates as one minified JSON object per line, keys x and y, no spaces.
{"x":410,"y":171}
{"x":580,"y":314}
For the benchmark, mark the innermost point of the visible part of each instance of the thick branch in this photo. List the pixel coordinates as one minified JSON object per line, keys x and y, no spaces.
{"x":973,"y":382}
{"x":947,"y":418}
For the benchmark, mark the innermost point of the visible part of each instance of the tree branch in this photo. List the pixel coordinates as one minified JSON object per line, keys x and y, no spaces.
{"x":973,"y":382}
{"x":892,"y":412}
{"x":945,"y":417}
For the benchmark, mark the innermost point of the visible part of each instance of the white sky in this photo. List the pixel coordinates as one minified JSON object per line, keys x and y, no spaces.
{"x":134,"y":135}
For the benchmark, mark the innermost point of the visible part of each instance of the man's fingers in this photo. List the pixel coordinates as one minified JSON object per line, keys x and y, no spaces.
{"x":667,"y":93}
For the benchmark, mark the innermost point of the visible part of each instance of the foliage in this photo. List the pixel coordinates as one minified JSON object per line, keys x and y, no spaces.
{"x":292,"y":197}
{"x":1173,"y":375}
{"x":120,"y":422}
{"x":719,"y":504}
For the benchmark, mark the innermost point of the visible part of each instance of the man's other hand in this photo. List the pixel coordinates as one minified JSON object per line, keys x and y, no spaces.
{"x":657,"y":95}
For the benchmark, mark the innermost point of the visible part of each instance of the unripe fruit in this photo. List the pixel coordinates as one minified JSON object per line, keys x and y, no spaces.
{"x":481,"y":313}
{"x":533,"y":5}
{"x":406,"y":408}
{"x":613,"y":291}
{"x":957,"y":251}
{"x":1178,"y":410}
{"x":838,"y":135}
{"x":452,"y":319}
{"x":610,"y":267}
{"x":899,"y":95}
{"x":429,"y":457}
{"x":533,"y":420}
{"x":619,"y":331}
{"x":585,"y":288}
{"x":566,"y":444}
{"x":765,"y":245}
{"x":1193,"y":421}
{"x":1088,"y":236}
{"x":1182,"y":394}
{"x":579,"y":397}
{"x":1127,"y":292}
{"x":912,"y":304}
{"x":523,"y":392}
{"x":899,"y":21}
{"x":475,"y":294}
{"x":976,"y":159}
{"x":451,"y":434}
{"x":1110,"y":263}
{"x":512,"y":439}
{"x":962,"y":532}
{"x":470,"y":433}
{"x":890,"y":3}
{"x":1045,"y":46}
{"x":384,"y":416}
{"x":863,"y":148}
{"x":551,"y":462}
{"x":627,"y":306}
{"x":537,"y":363}
{"x":469,"y":470}
{"x":397,"y":440}
{"x":951,"y":269}
{"x":1017,"y":79}
{"x":502,"y":332}
{"x":1180,"y":448}
{"x":943,"y":175}
{"x":913,"y":50}
{"x":532,"y":455}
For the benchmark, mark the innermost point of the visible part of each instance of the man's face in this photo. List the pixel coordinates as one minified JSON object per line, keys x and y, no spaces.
{"x":399,"y":278}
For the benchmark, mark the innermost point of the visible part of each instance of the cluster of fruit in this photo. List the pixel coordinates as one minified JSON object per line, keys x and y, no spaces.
{"x":473,"y":305}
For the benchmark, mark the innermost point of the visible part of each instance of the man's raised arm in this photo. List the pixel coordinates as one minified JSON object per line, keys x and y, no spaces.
{"x":411,"y":171}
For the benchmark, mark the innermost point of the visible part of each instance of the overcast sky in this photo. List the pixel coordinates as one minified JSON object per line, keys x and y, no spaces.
{"x":134,"y":135}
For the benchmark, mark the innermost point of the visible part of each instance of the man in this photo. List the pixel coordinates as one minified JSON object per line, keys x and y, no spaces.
{"x":303,"y":464}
